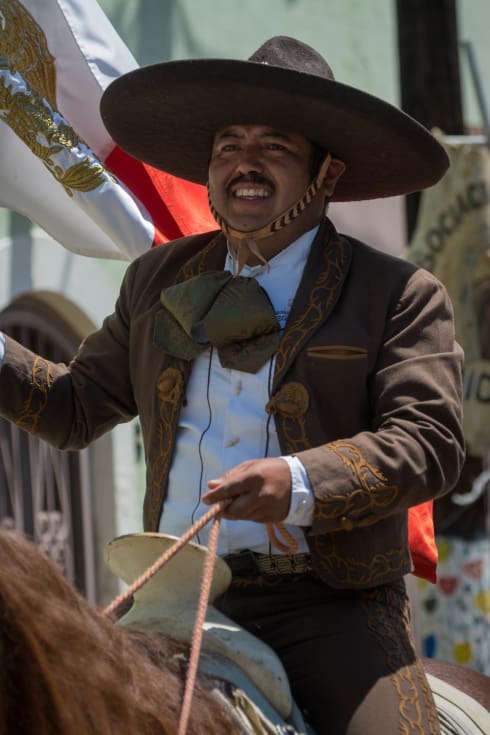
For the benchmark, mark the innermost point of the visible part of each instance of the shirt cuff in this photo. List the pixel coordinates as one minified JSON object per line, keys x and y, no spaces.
{"x":2,"y":348}
{"x":302,"y":498}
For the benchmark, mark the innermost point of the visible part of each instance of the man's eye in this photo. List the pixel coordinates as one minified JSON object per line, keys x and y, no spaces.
{"x":276,"y":147}
{"x":229,"y":147}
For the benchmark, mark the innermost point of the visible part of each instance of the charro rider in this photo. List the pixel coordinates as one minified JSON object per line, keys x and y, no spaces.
{"x":310,"y":380}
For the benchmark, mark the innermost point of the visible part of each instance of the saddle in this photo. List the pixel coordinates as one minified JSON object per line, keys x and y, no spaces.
{"x":168,"y":603}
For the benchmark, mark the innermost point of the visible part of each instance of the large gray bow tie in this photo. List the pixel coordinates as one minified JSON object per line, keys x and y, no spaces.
{"x":232,"y":313}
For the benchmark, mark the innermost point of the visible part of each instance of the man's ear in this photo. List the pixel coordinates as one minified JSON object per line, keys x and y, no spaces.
{"x":334,"y":172}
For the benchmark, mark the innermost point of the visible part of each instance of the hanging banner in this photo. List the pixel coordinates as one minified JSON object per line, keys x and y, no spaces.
{"x":452,"y":240}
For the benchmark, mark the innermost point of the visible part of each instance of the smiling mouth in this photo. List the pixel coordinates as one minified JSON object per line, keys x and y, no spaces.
{"x":252,"y":193}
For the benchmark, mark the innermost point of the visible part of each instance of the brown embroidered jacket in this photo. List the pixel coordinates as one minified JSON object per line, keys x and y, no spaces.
{"x":366,"y":391}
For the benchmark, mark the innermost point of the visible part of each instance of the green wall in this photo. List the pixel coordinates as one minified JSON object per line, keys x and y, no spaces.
{"x":358,"y":38}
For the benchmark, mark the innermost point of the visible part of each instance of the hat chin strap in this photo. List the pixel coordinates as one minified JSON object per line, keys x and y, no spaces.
{"x":247,"y":241}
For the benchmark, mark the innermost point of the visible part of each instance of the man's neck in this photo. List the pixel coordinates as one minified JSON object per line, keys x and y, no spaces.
{"x":250,"y":267}
{"x":269,"y":247}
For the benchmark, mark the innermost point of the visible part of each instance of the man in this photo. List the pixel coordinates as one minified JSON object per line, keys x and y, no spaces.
{"x":309,"y":380}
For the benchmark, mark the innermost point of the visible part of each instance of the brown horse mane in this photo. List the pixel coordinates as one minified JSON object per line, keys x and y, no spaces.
{"x":67,"y":669}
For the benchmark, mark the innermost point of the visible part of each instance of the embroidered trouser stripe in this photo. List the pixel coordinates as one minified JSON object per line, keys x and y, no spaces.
{"x":348,"y":654}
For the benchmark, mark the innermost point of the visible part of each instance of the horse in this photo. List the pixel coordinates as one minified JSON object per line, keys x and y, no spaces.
{"x":69,"y":669}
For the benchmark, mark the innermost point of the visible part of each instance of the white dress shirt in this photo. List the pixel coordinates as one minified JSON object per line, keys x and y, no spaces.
{"x":224,"y":422}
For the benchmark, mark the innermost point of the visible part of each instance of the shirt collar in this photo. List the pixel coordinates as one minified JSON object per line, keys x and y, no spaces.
{"x":291,"y":255}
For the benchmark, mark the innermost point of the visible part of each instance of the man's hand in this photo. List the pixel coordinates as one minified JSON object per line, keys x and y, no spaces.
{"x":259,"y":490}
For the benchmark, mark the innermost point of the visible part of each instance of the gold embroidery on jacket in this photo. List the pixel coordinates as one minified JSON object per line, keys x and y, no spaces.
{"x":170,"y":390}
{"x":294,"y":433}
{"x":337,"y":352}
{"x":198,"y":263}
{"x":41,"y":382}
{"x":291,"y":401}
{"x":289,"y":406}
{"x":385,"y":608}
{"x":292,"y":428}
{"x":24,"y":42}
{"x":353,"y":572}
{"x":374,"y":491}
{"x":322,"y":297}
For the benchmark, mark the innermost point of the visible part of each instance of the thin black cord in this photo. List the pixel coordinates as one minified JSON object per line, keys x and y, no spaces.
{"x":269,"y":416}
{"x":267,"y":424}
{"x":201,"y":438}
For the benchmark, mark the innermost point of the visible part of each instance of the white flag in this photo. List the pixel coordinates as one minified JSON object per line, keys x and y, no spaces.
{"x":60,"y":56}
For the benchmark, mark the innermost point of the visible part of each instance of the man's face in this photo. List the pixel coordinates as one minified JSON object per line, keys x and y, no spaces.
{"x":256,"y":172}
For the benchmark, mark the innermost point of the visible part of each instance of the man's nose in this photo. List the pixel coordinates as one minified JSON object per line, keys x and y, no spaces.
{"x":250,"y":161}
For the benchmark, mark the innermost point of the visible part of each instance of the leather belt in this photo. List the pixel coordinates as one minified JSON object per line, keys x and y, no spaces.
{"x":248,"y":564}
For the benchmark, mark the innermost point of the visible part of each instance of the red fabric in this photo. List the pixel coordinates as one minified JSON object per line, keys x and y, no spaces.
{"x":422,"y":541}
{"x":177,"y":207}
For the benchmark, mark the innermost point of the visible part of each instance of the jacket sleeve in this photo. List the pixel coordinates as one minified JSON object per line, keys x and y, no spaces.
{"x":414,"y":448}
{"x":71,"y":405}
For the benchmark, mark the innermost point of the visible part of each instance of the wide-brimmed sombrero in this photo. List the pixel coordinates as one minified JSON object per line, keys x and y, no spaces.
{"x":167,"y":115}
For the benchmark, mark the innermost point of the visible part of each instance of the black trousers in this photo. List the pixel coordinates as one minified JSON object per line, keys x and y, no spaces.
{"x":349,"y":655}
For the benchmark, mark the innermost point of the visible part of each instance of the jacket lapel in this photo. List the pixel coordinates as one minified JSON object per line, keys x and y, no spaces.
{"x":320,"y":286}
{"x":211,"y":257}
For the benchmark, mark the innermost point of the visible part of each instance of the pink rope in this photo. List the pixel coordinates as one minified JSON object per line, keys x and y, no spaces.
{"x":198,"y":626}
{"x":291,"y":545}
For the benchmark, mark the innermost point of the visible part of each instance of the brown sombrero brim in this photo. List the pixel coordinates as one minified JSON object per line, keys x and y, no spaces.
{"x":167,"y":115}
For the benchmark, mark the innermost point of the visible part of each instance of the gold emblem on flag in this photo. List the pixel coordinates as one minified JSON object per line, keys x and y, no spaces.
{"x":23,"y":42}
{"x":48,"y":136}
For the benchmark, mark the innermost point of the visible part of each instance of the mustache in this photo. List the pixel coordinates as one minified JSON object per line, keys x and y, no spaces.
{"x":251,"y":178}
